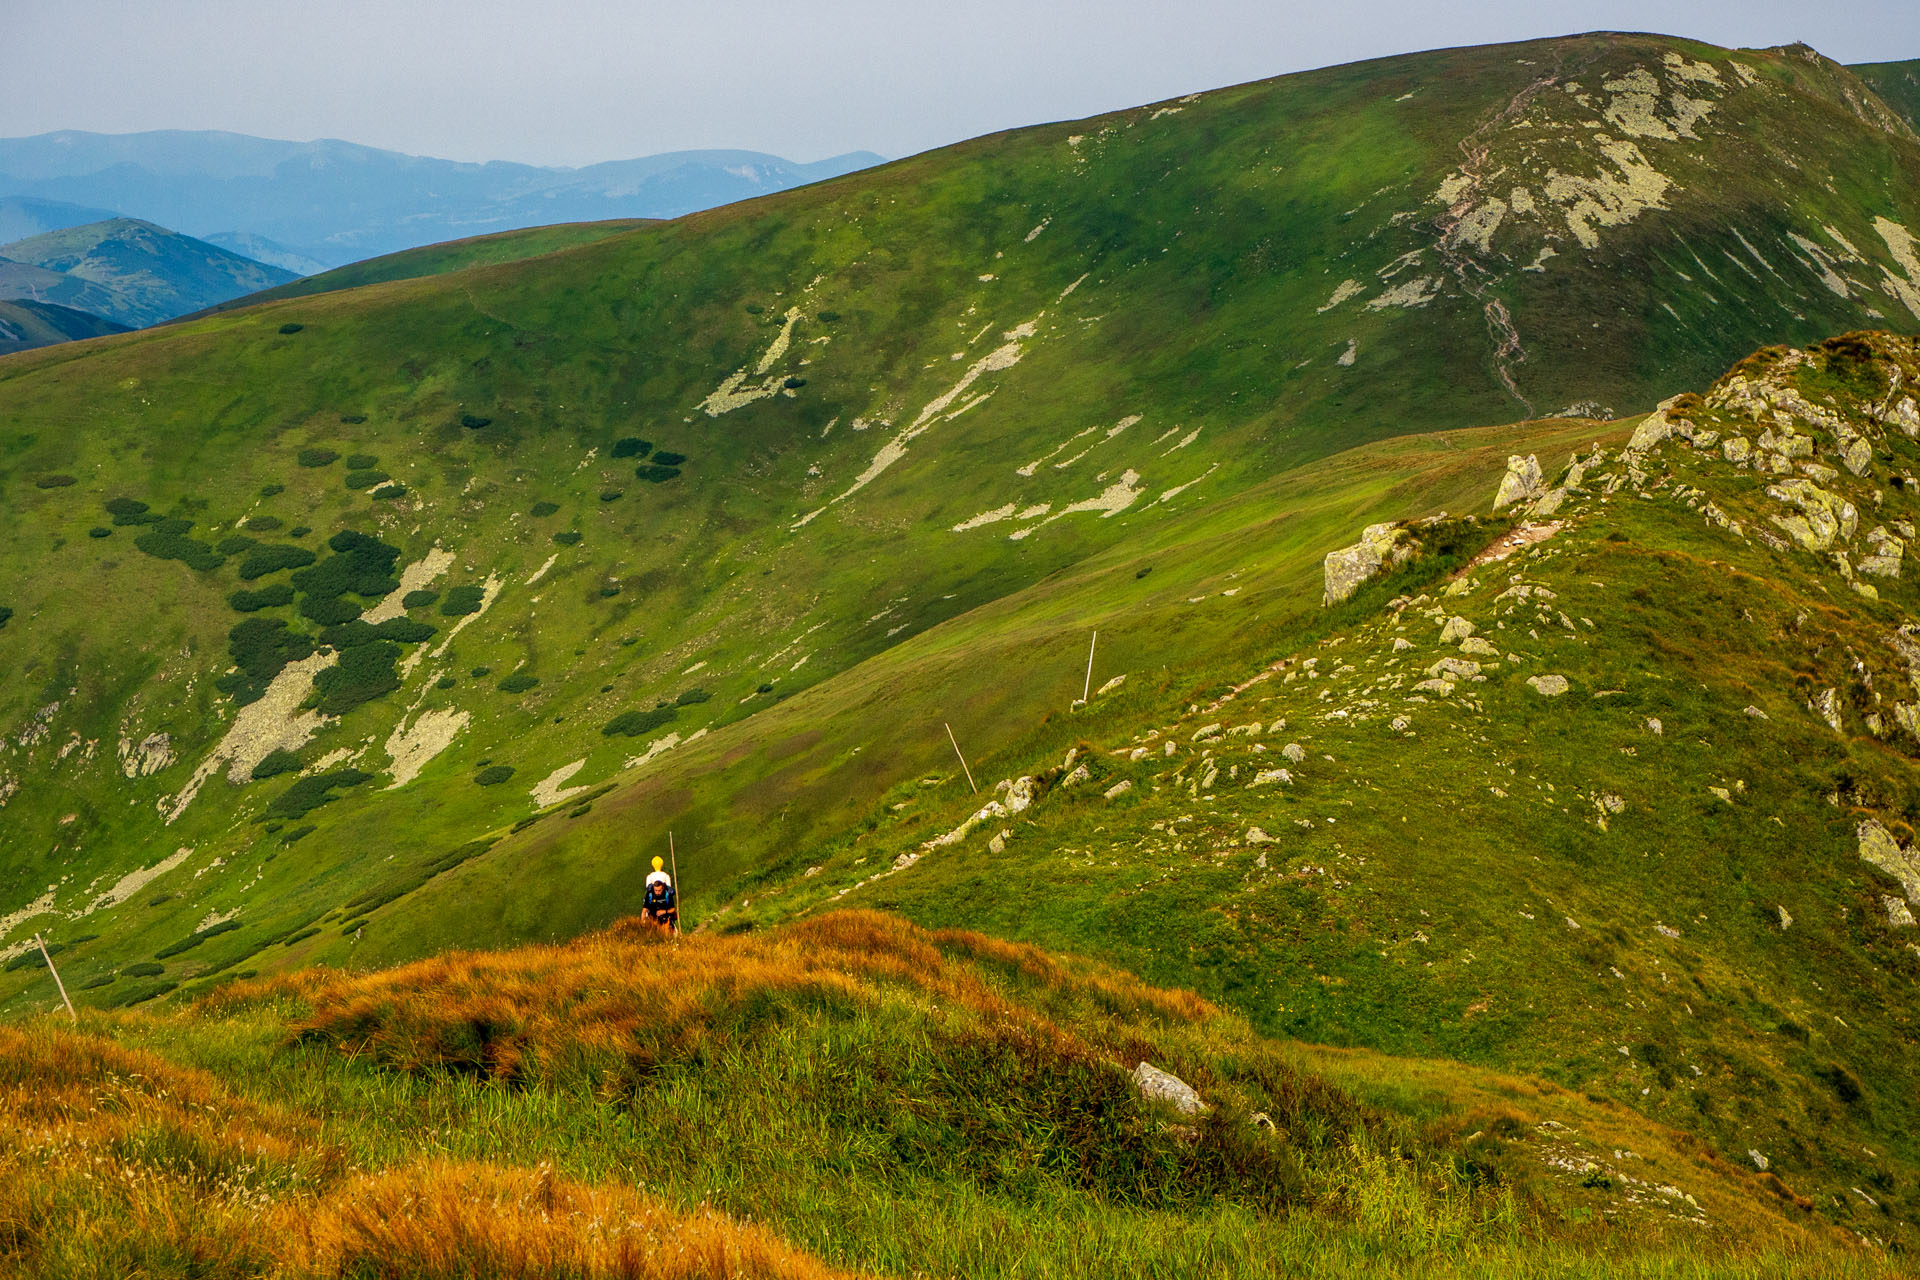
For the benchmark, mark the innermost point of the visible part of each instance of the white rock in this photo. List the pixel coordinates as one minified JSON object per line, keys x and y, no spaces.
{"x":1348,"y":567}
{"x":1256,"y":836}
{"x":1294,"y":752}
{"x":1268,"y":776}
{"x":1786,"y":920}
{"x":1898,"y":914}
{"x":1156,"y":1085}
{"x":1401,"y":644}
{"x":1760,"y":1162}
{"x":1478,"y":648}
{"x":1456,"y":628}
{"x":1118,"y":789}
{"x":1079,"y":775}
{"x":1549,"y":686}
{"x":1654,"y":725}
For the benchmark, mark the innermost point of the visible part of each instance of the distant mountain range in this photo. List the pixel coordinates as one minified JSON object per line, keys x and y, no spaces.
{"x":306,"y":206}
{"x":128,"y":271}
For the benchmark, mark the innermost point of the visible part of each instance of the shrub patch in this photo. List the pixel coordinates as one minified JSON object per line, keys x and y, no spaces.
{"x":462,"y":600}
{"x":309,"y":794}
{"x":54,"y":482}
{"x":494,"y":775}
{"x":631,"y":724}
{"x":364,"y":479}
{"x":99,"y":531}
{"x":666,"y":459}
{"x":419,"y":599}
{"x":270,"y":596}
{"x":316,"y":457}
{"x":518,"y":682}
{"x":362,"y":462}
{"x":654,"y":474}
{"x":387,"y":492}
{"x":567,"y":537}
{"x":269,"y":557}
{"x":260,"y":648}
{"x":277,"y":762}
{"x":541,"y":509}
{"x":364,"y":672}
{"x":631,"y":447}
{"x":262,"y":524}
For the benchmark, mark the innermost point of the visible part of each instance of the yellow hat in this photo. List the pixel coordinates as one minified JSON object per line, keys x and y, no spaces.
{"x":656,"y":862}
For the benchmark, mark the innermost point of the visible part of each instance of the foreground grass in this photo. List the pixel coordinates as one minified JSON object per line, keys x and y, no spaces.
{"x":853,"y":1095}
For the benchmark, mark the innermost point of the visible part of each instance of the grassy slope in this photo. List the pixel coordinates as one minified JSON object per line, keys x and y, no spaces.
{"x":438,"y":259}
{"x":890,"y":1100}
{"x":153,"y":274}
{"x":1897,"y":83}
{"x":25,"y":325}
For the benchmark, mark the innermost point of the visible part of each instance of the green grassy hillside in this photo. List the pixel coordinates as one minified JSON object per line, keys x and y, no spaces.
{"x":438,"y":259}
{"x":1897,"y":84}
{"x":25,"y":325}
{"x":150,"y":273}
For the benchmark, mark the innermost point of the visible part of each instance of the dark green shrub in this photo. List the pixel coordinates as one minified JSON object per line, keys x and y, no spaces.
{"x":567,"y":537}
{"x":609,"y":591}
{"x":235,"y":543}
{"x":632,"y":447}
{"x":405,"y":630}
{"x":298,"y":834}
{"x":260,"y":647}
{"x":291,"y":327}
{"x":544,"y":509}
{"x":794,"y":384}
{"x":631,"y":724}
{"x":272,"y":490}
{"x":419,"y":599}
{"x":310,"y":793}
{"x":828,"y":317}
{"x":494,"y":775}
{"x":765,"y":688}
{"x":271,"y":596}
{"x":362,"y":566}
{"x":301,"y":936}
{"x":328,"y":611}
{"x":353,"y":419}
{"x":364,"y":479}
{"x":463,"y":600}
{"x":54,"y":482}
{"x":99,"y":532}
{"x":610,"y":495}
{"x":362,"y":462}
{"x":473,"y":422}
{"x":445,"y":682}
{"x":364,"y":672}
{"x":268,"y":557}
{"x":31,"y":959}
{"x":654,"y":474}
{"x":104,"y":980}
{"x":299,"y":531}
{"x":194,"y":940}
{"x":387,"y":492}
{"x":481,"y":673}
{"x":316,"y":457}
{"x":139,"y":518}
{"x":144,"y":969}
{"x":518,"y":682}
{"x":665,"y":459}
{"x":167,"y":540}
{"x":357,"y":631}
{"x":262,"y":524}
{"x":276,"y":762}
{"x":126,"y":507}
{"x":692,"y":696}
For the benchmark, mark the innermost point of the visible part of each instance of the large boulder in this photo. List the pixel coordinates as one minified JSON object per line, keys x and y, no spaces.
{"x":1156,"y":1085}
{"x":1348,"y":567}
{"x":1878,"y":848}
{"x":1522,"y":483}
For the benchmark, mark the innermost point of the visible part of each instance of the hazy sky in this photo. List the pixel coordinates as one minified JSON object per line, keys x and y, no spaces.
{"x":575,"y":81}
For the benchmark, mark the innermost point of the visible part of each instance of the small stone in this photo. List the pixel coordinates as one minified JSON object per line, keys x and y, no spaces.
{"x":1156,"y":1085}
{"x":1294,"y":752}
{"x":1725,"y":795}
{"x":1400,"y":724}
{"x":999,"y":843}
{"x":1760,"y":1162}
{"x":1756,"y":713}
{"x":1549,"y":686}
{"x":1786,"y":920}
{"x":1401,"y":644}
{"x":1117,"y":790}
{"x":1256,"y":836}
{"x":1267,"y":777}
{"x":1654,"y":725}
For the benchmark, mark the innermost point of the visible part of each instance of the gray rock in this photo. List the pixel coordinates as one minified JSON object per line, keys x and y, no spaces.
{"x":1522,"y":483}
{"x":1899,"y":915}
{"x":1878,"y":848}
{"x":1117,"y":790}
{"x":1294,"y":752}
{"x":1455,"y":629}
{"x":1823,"y":517}
{"x":1156,"y":1085}
{"x":1348,"y":567}
{"x":1549,"y":686}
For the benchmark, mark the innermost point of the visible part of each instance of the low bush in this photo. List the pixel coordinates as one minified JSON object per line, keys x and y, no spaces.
{"x":328,"y":611}
{"x":54,"y":482}
{"x":364,"y":479}
{"x":299,"y":531}
{"x":260,"y":648}
{"x":291,"y":327}
{"x":125,"y":507}
{"x":445,"y":682}
{"x":388,"y":492}
{"x":363,"y":673}
{"x":235,"y":543}
{"x":6,"y":614}
{"x":275,"y":763}
{"x":270,"y":557}
{"x":666,"y":459}
{"x":480,"y":673}
{"x":518,"y":682}
{"x":353,"y":419}
{"x":631,"y":447}
{"x":361,"y":565}
{"x":794,"y":384}
{"x":262,"y":524}
{"x":543,"y":509}
{"x":407,"y":881}
{"x":631,"y":724}
{"x":362,"y":462}
{"x":653,"y":474}
{"x":419,"y":599}
{"x":494,"y":775}
{"x":310,"y":793}
{"x":609,"y":591}
{"x":99,"y":531}
{"x":272,"y":490}
{"x":144,"y":969}
{"x":168,"y":540}
{"x":316,"y":457}
{"x":828,"y":317}
{"x":298,"y":834}
{"x":303,"y":934}
{"x":473,"y":422}
{"x":405,"y":630}
{"x":692,"y":696}
{"x":463,"y":600}
{"x":567,"y":537}
{"x":611,"y":495}
{"x":271,"y":596}
{"x":195,"y":939}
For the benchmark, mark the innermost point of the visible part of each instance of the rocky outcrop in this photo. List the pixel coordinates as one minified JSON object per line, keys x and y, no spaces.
{"x":1347,"y":568}
{"x":1878,"y":848}
{"x":1522,"y":483}
{"x":146,"y":757}
{"x":1823,"y":517}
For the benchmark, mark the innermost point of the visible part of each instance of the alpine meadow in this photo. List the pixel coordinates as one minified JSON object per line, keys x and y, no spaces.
{"x":1317,"y":678}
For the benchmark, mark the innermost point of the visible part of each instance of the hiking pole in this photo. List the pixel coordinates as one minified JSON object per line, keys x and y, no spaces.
{"x":963,"y":760}
{"x":673,"y":856}
{"x":45,"y":955}
{"x":1086,"y":690}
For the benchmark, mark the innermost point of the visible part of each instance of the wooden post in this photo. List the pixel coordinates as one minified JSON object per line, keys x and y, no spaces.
{"x":963,"y":759}
{"x":45,"y":955}
{"x":1086,"y":690}
{"x":673,"y":855}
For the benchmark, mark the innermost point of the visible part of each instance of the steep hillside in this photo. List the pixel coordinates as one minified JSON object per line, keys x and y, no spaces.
{"x":1897,"y":84}
{"x":720,"y":523}
{"x":438,"y":259}
{"x":150,"y":273}
{"x":335,"y":202}
{"x":25,"y":325}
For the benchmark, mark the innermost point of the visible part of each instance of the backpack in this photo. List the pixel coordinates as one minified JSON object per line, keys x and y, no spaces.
{"x":659,"y":897}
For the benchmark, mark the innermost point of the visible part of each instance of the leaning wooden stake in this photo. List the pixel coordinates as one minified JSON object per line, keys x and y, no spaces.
{"x":963,"y":759}
{"x":45,"y":955}
{"x":673,"y":855}
{"x":1086,"y":690}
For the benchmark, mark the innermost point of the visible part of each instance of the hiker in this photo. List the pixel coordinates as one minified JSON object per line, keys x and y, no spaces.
{"x":660,"y":905}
